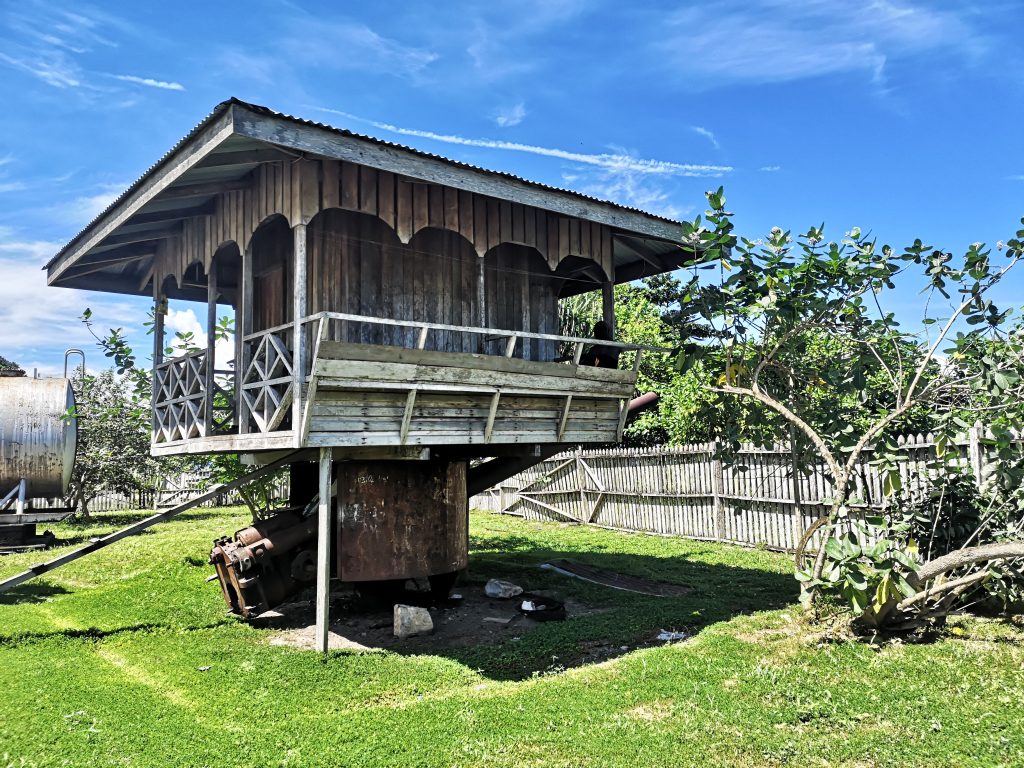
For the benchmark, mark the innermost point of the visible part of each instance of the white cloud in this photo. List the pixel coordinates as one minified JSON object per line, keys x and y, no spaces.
{"x":610,"y":161}
{"x":52,"y":68}
{"x":350,"y":45}
{"x":81,"y":210}
{"x":168,"y":86}
{"x":39,"y":322}
{"x":770,"y":168}
{"x":700,"y":130}
{"x":765,"y":41}
{"x":185,"y":321}
{"x":11,"y":186}
{"x":511,"y":116}
{"x":635,"y":190}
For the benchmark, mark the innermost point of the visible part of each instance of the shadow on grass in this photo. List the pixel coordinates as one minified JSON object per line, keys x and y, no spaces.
{"x":602,"y":623}
{"x":95,"y":634}
{"x":613,"y":621}
{"x":31,"y":593}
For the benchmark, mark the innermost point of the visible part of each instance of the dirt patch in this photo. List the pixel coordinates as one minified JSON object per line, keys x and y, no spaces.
{"x":660,"y":709}
{"x":474,"y":620}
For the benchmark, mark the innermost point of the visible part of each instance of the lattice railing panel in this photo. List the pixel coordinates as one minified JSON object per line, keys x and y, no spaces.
{"x":179,"y":409}
{"x":266,"y":390}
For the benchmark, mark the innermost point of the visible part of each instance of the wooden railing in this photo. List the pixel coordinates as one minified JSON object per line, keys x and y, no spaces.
{"x":180,"y":402}
{"x":494,"y":340}
{"x":270,"y":393}
{"x":190,"y":400}
{"x":497,"y":342}
{"x":268,"y":381}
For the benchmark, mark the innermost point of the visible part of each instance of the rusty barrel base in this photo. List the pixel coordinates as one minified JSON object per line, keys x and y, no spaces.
{"x":401,"y":519}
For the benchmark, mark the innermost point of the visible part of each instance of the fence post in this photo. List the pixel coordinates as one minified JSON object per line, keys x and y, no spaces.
{"x":974,"y":436}
{"x":579,"y":481}
{"x":798,"y":507}
{"x":717,"y":483}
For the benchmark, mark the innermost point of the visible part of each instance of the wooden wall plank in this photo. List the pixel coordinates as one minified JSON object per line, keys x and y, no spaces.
{"x":403,"y":205}
{"x":368,"y":190}
{"x":349,"y":186}
{"x":420,"y":207}
{"x":435,"y":211}
{"x":451,"y":208}
{"x":386,"y":198}
{"x":466,"y":215}
{"x":330,"y":184}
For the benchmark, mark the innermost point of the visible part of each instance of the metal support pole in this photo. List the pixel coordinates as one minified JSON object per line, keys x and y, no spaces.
{"x":323,"y":552}
{"x":19,"y":506}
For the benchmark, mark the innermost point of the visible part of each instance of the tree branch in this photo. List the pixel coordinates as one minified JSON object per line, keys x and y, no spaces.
{"x":1006,"y":550}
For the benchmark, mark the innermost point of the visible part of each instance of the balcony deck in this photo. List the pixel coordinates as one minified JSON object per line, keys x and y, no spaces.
{"x":360,"y":397}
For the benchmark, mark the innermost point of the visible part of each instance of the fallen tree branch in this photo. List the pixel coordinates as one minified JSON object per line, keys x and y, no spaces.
{"x":969,"y":556}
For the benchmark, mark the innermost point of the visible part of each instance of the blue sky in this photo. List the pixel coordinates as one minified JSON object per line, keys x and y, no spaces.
{"x":900,"y":117}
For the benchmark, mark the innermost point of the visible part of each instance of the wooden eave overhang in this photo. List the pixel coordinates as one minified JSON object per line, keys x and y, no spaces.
{"x":116,"y":252}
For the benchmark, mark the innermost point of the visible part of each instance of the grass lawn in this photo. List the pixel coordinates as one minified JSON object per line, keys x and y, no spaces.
{"x":105,"y":663}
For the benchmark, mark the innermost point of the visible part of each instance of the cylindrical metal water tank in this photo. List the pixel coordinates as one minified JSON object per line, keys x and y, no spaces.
{"x":37,"y":439}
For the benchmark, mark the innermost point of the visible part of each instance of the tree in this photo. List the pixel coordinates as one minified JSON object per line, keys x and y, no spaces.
{"x":775,"y":296}
{"x":113,"y":439}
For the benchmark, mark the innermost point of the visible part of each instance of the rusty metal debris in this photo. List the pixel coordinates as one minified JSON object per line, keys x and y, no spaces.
{"x":266,"y":563}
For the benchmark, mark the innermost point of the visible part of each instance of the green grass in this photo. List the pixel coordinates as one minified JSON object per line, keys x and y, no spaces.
{"x":100,"y":665}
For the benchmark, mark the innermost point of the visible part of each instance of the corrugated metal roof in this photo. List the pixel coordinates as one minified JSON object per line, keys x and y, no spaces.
{"x":224,"y":105}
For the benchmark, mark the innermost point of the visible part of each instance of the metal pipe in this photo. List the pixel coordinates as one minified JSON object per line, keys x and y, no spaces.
{"x":67,"y":354}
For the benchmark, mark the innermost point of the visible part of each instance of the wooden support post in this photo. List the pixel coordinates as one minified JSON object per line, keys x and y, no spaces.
{"x":717,"y":491}
{"x":608,"y":306}
{"x":481,"y":294}
{"x":159,"y":310}
{"x":565,"y":417}
{"x":243,"y":327}
{"x":298,"y":333}
{"x":410,"y":404}
{"x":323,"y":552}
{"x":489,"y":429}
{"x":211,"y":346}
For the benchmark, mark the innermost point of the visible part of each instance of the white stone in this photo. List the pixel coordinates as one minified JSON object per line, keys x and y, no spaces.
{"x":502,"y":589}
{"x":411,"y":620}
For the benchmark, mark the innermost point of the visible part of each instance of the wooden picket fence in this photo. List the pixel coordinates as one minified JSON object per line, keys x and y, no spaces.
{"x":761,"y":499}
{"x":166,"y":491}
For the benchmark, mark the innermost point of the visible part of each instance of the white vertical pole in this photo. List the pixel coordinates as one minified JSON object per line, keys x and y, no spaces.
{"x":211,"y":344}
{"x":323,"y":552}
{"x":299,"y":336}
{"x":243,"y":327}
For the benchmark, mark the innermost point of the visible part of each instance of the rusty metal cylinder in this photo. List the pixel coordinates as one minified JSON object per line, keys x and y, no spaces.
{"x":37,"y":435}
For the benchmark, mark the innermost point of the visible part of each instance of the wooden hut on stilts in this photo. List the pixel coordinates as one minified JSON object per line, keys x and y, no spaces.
{"x":396,"y":318}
